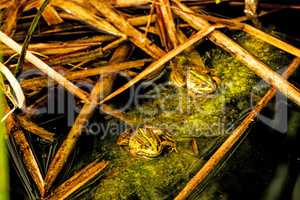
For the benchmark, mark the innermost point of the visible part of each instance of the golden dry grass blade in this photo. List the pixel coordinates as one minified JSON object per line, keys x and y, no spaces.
{"x":5,"y":4}
{"x":163,"y":60}
{"x":29,"y":160}
{"x":112,"y":68}
{"x":86,"y":16}
{"x":142,"y":20}
{"x":35,"y":129}
{"x":45,"y":68}
{"x":55,"y":48}
{"x":154,"y":31}
{"x":50,"y":15}
{"x":270,"y":5}
{"x":27,"y":154}
{"x":259,"y":68}
{"x":11,"y":14}
{"x":235,"y":23}
{"x":101,"y":89}
{"x":76,"y":57}
{"x":149,"y":18}
{"x":77,"y":180}
{"x":167,"y":15}
{"x":222,"y":151}
{"x":30,"y":84}
{"x":128,"y":3}
{"x":160,"y":26}
{"x":125,"y":27}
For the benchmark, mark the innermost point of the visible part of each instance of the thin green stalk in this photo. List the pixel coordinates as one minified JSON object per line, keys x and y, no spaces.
{"x":32,"y":27}
{"x":3,"y":153}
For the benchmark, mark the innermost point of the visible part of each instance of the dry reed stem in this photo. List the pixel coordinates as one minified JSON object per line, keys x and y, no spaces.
{"x":28,"y":157}
{"x":35,"y":129}
{"x":5,"y":4}
{"x":78,"y":180}
{"x":75,"y":57}
{"x":125,"y":27}
{"x":10,"y":16}
{"x":50,"y":15}
{"x":83,"y":56}
{"x":86,"y":16}
{"x":259,"y":68}
{"x":270,"y":5}
{"x":29,"y":160}
{"x":222,"y":151}
{"x":160,"y":28}
{"x":45,"y":68}
{"x":155,"y":31}
{"x":163,"y":60}
{"x":100,"y":90}
{"x":129,"y":3}
{"x":40,"y":82}
{"x":235,"y":23}
{"x":149,"y":18}
{"x":53,"y":48}
{"x":112,"y":68}
{"x":143,"y":3}
{"x":168,"y":20}
{"x":142,"y":20}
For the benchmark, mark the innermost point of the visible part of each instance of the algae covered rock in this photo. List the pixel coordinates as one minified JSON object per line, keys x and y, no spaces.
{"x":208,"y":119}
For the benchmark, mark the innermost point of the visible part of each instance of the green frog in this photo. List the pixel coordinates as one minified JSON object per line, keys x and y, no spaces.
{"x":193,"y":76}
{"x":146,"y":141}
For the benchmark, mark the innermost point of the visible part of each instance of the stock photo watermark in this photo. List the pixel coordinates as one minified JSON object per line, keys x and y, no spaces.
{"x":70,"y":108}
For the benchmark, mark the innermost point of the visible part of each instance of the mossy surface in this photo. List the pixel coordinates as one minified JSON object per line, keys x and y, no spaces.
{"x":186,"y":116}
{"x":213,"y":116}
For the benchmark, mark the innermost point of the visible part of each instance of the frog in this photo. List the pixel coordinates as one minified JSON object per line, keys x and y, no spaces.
{"x":195,"y":77}
{"x":147,"y":141}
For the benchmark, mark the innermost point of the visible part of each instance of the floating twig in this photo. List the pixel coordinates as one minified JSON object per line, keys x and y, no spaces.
{"x":28,"y":157}
{"x":77,"y":180}
{"x":35,"y":129}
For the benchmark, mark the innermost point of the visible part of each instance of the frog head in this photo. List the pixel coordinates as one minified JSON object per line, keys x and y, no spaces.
{"x":200,"y":83}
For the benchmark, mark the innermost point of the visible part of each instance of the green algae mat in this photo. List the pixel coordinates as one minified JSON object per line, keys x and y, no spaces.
{"x":198,"y":125}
